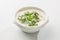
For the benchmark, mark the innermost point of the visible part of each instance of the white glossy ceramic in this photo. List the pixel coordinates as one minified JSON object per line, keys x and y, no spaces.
{"x":31,"y":29}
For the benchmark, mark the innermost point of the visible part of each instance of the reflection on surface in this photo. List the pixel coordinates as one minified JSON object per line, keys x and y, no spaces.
{"x":31,"y":36}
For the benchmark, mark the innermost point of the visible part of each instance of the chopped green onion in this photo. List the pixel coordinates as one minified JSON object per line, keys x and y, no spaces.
{"x":30,"y":18}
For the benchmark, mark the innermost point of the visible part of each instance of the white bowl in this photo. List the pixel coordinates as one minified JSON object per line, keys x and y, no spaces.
{"x":31,"y":29}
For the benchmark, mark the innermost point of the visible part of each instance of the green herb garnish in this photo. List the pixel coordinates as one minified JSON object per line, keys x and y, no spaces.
{"x":30,"y":18}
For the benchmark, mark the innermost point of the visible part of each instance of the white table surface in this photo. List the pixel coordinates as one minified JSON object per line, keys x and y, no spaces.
{"x":10,"y":31}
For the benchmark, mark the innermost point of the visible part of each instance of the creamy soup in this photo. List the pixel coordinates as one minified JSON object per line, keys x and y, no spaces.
{"x":30,"y":18}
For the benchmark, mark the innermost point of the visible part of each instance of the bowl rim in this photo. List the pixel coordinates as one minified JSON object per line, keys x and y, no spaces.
{"x":30,"y":7}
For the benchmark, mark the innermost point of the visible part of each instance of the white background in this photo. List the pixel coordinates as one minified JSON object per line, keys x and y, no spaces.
{"x":10,"y":31}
